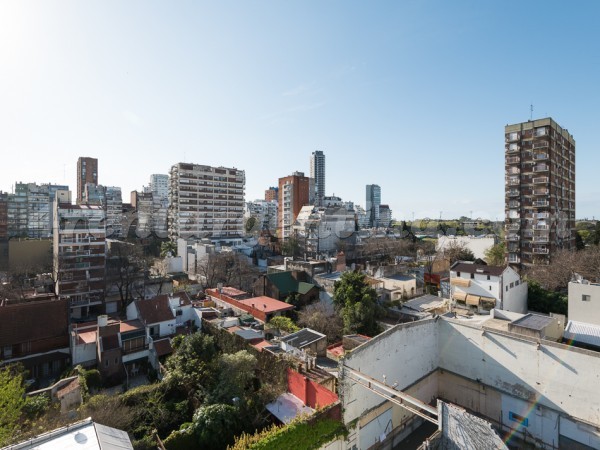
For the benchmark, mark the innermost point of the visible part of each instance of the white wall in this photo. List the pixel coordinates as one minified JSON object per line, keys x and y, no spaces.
{"x":588,"y":311}
{"x":81,"y":353}
{"x":478,"y":245}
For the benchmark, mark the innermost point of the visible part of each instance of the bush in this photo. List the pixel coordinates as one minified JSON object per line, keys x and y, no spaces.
{"x":184,"y":439}
{"x":36,"y":405}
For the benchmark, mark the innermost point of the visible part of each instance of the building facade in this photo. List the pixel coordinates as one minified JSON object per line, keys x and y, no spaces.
{"x":265,"y":213}
{"x":317,"y":173}
{"x":87,"y":172}
{"x":540,"y":191}
{"x":79,"y":257}
{"x":385,"y":216}
{"x":294,"y":193}
{"x":3,"y":215}
{"x":206,"y":201}
{"x":271,"y":194}
{"x":159,"y":185}
{"x":373,"y":201}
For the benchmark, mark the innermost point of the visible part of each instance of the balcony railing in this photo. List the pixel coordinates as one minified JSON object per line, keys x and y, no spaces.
{"x":541,"y":191}
{"x":514,"y":226}
{"x":541,"y":226}
{"x":540,"y":180}
{"x":513,"y":160}
{"x":540,"y":156}
{"x":513,"y":193}
{"x":513,"y":258}
{"x":513,"y":237}
{"x":541,"y":203}
{"x":540,"y":250}
{"x":541,"y":168}
{"x":541,"y":239}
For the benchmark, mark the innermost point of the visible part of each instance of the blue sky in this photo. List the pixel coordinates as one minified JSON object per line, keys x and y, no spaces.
{"x":410,"y":95}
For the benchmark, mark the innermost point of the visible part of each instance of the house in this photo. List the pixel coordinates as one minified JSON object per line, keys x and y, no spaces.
{"x":85,"y":434}
{"x":36,"y":334}
{"x":480,"y":288}
{"x":419,"y":308}
{"x":399,"y":287}
{"x":282,"y":285}
{"x":306,"y":340}
{"x":164,"y":314}
{"x":262,"y":308}
{"x":583,"y":328}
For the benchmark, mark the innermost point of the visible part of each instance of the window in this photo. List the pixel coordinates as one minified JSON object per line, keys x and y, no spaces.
{"x":586,"y":298}
{"x":512,"y":285}
{"x":458,"y":274}
{"x":179,"y":312}
{"x":7,"y":351}
{"x":517,"y":418}
{"x":488,"y":277}
{"x":490,"y":287}
{"x":472,"y":276}
{"x":506,"y":288}
{"x":106,"y":362}
{"x":517,"y":283}
{"x":117,"y":360}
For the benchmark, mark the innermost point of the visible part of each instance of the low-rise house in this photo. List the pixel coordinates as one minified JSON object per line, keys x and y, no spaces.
{"x":282,"y":285}
{"x":164,"y":314}
{"x":36,"y":334}
{"x":399,"y":287}
{"x":583,"y":328}
{"x":307,"y":340}
{"x":420,"y":308}
{"x":262,"y":308}
{"x":481,"y":288}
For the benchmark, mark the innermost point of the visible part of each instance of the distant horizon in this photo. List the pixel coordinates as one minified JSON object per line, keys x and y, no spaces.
{"x":412,"y":96}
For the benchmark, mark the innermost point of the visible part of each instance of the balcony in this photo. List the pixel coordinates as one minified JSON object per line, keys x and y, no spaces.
{"x":541,"y":191}
{"x":541,"y":168}
{"x":514,"y":204}
{"x":513,"y":181}
{"x":541,"y":203}
{"x":512,"y":237}
{"x":513,"y":171}
{"x":514,"y":226}
{"x":513,"y":160}
{"x":540,"y":250}
{"x":514,"y":193}
{"x":541,"y":239}
{"x":540,"y":180}
{"x":541,"y":226}
{"x":514,"y":258}
{"x":512,"y":148}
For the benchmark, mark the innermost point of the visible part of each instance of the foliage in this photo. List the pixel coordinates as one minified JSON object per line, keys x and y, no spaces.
{"x":216,"y":426}
{"x":284,"y":323}
{"x":236,"y":372}
{"x":168,"y":247}
{"x":458,"y":252}
{"x":291,"y":247}
{"x":35,"y":406}
{"x":190,"y":367}
{"x":580,"y":240}
{"x":299,"y":435}
{"x":230,"y":269}
{"x":357,"y":302}
{"x":183,"y":439}
{"x":323,"y":318}
{"x":543,"y":301}
{"x":108,"y":410}
{"x":126,"y":269}
{"x":11,"y":402}
{"x":494,"y":255}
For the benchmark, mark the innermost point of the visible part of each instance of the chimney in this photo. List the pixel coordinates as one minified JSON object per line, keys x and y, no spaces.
{"x":102,"y":320}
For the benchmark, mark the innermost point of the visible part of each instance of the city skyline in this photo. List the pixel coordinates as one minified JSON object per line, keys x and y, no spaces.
{"x":413,"y":97}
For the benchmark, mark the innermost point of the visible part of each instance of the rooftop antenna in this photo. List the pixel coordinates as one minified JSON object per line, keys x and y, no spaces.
{"x":531,"y":111}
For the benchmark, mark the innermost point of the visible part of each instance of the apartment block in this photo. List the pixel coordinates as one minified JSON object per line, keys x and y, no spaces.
{"x":206,"y":202}
{"x":540,"y":191}
{"x":87,"y":172}
{"x":294,"y":193}
{"x":265,"y":213}
{"x":79,"y":257}
{"x":271,"y":194}
{"x":159,"y":185}
{"x":373,"y":201}
{"x":317,"y":173}
{"x":3,"y":215}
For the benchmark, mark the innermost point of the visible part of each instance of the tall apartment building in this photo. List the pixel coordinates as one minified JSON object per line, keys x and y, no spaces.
{"x":87,"y":172}
{"x":265,"y":212}
{"x":79,"y":257}
{"x":113,"y":205}
{"x":29,"y":210}
{"x":159,"y":185}
{"x":317,"y":173}
{"x":385,"y":216}
{"x":373,"y":201}
{"x":294,"y":193}
{"x":206,"y":201}
{"x":3,"y":215}
{"x":540,"y":191}
{"x":271,"y":193}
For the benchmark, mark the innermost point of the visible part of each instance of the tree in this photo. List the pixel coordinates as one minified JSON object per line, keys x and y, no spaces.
{"x":457,"y":252}
{"x":11,"y":402}
{"x":168,"y":247}
{"x":357,"y":302}
{"x":236,"y":373}
{"x":283,"y":323}
{"x":494,"y":255}
{"x":230,"y":269}
{"x":126,"y":269}
{"x":579,"y":240}
{"x":216,"y":426}
{"x":322,"y":318}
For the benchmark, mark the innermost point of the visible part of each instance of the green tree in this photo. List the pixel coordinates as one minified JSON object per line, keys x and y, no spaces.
{"x":494,"y":255}
{"x":216,"y":426}
{"x":235,"y":378}
{"x":357,"y":302}
{"x":11,"y":402}
{"x":579,"y":241}
{"x":168,"y":247}
{"x":284,"y":323}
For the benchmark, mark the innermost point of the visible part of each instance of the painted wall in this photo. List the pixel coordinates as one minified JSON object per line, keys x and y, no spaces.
{"x":311,"y":393}
{"x":584,"y":311}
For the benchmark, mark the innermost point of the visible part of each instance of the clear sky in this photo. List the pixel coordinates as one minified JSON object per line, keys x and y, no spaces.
{"x":410,"y":95}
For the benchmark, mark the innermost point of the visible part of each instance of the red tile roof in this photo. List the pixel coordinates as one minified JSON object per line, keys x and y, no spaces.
{"x":267,"y":304}
{"x":155,"y":310}
{"x":261,"y":344}
{"x":86,"y":337}
{"x":30,"y":322}
{"x":163,"y":347}
{"x":131,"y":325}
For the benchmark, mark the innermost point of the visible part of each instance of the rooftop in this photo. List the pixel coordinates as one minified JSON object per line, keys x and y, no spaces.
{"x":302,"y":338}
{"x":584,"y":333}
{"x":533,"y":322}
{"x":267,"y":304}
{"x":424,"y":303}
{"x":287,"y":407}
{"x":466,"y":267}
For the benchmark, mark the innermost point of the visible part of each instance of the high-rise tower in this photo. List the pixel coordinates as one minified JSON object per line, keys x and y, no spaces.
{"x":87,"y":172}
{"x":373,"y":202}
{"x":540,"y":191}
{"x":317,"y":173}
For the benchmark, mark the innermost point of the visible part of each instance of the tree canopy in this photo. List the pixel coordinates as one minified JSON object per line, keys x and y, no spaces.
{"x":357,"y":302}
{"x":11,"y":402}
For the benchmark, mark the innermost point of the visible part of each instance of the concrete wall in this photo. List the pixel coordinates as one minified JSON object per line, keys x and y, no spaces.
{"x":584,"y":311}
{"x":311,"y":393}
{"x":478,"y":245}
{"x":554,"y":377}
{"x":404,"y":356}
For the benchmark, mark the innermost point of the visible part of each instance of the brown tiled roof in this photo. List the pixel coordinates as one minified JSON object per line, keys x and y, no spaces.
{"x":30,"y":322}
{"x":70,"y":387}
{"x":155,"y":310}
{"x":495,"y":271}
{"x":130,"y":325}
{"x":267,"y":304}
{"x":163,"y":347}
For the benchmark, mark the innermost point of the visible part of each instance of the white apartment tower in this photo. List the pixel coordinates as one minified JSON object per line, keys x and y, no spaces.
{"x":206,"y":202}
{"x":317,"y":173}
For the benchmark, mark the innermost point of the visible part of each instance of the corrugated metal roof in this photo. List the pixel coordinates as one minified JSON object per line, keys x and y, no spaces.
{"x":585,"y":333}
